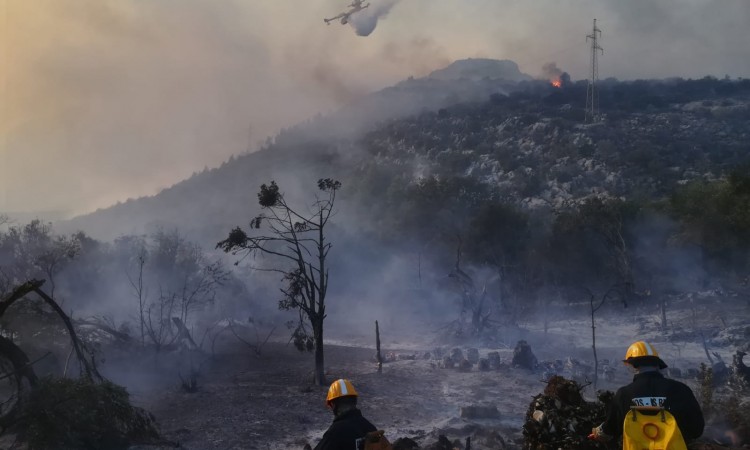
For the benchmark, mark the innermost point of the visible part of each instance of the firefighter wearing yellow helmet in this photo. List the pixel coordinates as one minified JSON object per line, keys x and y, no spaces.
{"x":653,"y":411}
{"x":349,"y":427}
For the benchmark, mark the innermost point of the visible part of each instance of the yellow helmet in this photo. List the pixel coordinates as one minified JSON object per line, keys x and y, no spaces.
{"x":340,"y":388}
{"x":642,"y":351}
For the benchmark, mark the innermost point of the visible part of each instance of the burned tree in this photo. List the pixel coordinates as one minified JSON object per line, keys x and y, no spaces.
{"x":594,"y":306}
{"x":472,"y":301}
{"x":184,"y":278}
{"x":299,"y":242}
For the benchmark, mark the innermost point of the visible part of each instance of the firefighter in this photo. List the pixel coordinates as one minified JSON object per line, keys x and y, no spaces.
{"x":651,"y":409}
{"x":349,"y":427}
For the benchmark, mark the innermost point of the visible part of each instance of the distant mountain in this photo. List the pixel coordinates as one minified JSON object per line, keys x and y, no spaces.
{"x":467,"y":80}
{"x":524,"y":141}
{"x":480,"y":69}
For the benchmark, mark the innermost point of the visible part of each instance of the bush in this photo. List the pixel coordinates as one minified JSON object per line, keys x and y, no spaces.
{"x":66,"y":413}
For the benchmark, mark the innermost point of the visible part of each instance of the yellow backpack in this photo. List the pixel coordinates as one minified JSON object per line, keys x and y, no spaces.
{"x":658,"y":431}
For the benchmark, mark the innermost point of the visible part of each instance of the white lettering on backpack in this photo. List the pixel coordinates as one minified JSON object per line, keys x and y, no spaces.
{"x":649,"y":401}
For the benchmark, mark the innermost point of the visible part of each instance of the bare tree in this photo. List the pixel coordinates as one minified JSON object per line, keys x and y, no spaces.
{"x":596,"y":304}
{"x":299,"y":242}
{"x":472,"y":300}
{"x":51,"y":259}
{"x":140,"y":292}
{"x":185,"y":279}
{"x":165,"y":318}
{"x":158,"y":321}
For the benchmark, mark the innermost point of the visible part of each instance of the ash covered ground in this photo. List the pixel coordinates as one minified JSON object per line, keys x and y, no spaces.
{"x":268,"y":401}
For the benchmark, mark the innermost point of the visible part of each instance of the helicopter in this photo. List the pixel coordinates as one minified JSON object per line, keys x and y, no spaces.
{"x":356,"y":6}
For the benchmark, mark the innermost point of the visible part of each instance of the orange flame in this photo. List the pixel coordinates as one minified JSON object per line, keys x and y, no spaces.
{"x":557,"y":83}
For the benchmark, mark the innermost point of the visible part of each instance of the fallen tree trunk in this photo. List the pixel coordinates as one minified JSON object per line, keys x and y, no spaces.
{"x":100,"y":325}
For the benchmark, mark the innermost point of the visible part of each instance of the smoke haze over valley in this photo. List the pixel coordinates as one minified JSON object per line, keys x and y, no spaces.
{"x":109,"y":100}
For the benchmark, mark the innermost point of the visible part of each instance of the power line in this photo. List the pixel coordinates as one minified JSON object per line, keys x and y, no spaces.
{"x":592,"y":96}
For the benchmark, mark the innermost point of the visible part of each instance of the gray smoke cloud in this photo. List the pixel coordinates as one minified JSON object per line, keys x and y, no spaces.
{"x":365,"y":21}
{"x":550,"y":71}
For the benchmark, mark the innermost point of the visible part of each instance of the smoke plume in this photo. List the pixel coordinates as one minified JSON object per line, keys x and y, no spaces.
{"x":365,"y":21}
{"x":550,"y":71}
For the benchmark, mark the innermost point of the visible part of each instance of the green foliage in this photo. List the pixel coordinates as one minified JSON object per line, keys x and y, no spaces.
{"x":237,"y":240}
{"x":497,"y":234}
{"x":716,"y":217}
{"x":269,"y":195}
{"x":431,"y":208}
{"x":294,"y":290}
{"x":591,"y":242}
{"x":328,"y":184}
{"x":66,"y":413}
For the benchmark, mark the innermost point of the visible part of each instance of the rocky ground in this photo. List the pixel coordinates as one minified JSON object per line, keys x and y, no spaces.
{"x":269,"y":402}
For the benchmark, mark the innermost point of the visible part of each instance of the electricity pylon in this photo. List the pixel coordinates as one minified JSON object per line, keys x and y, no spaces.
{"x":592,"y":96}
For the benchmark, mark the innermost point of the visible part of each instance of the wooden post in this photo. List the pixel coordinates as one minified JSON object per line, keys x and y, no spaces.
{"x":377,"y":346}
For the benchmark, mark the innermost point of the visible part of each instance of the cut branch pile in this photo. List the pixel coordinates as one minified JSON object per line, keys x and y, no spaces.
{"x":560,"y":418}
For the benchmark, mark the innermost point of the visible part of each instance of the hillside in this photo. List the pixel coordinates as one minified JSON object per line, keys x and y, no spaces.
{"x":532,"y":148}
{"x":526,"y":142}
{"x":295,"y":151}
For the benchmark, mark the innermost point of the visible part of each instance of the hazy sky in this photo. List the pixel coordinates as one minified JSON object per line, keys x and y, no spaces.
{"x":103,"y":100}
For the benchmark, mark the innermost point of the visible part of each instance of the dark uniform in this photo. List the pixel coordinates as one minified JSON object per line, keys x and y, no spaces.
{"x":652,"y":389}
{"x":347,"y":432}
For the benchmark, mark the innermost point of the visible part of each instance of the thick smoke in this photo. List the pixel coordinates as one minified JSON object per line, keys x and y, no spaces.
{"x":550,"y":71}
{"x":555,"y":75}
{"x":365,"y":21}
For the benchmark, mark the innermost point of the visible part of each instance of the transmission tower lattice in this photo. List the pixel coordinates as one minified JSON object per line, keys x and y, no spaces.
{"x":592,"y":96}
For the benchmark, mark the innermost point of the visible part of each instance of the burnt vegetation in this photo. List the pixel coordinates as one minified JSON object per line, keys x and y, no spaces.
{"x":300,"y":245}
